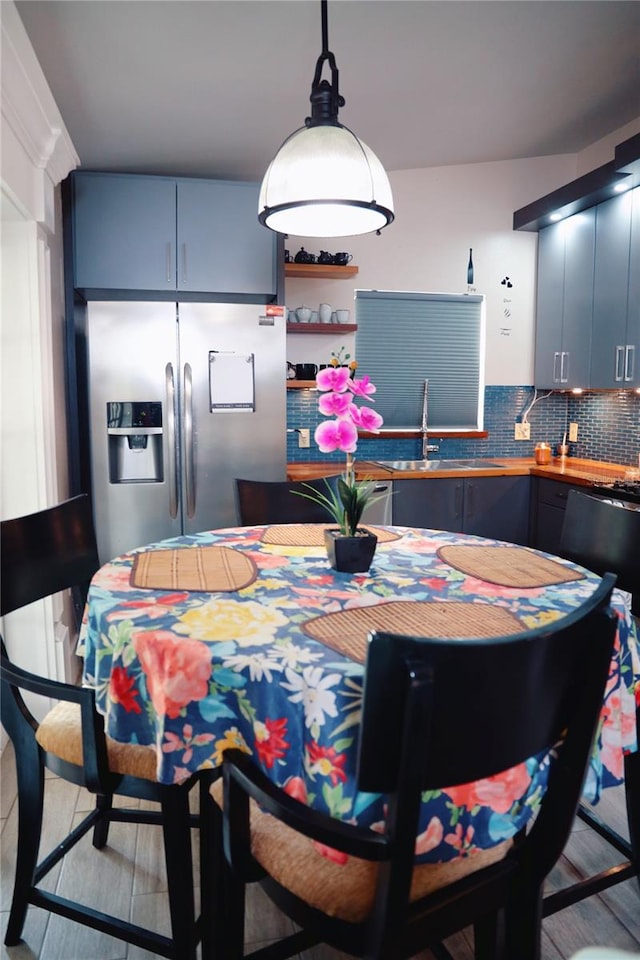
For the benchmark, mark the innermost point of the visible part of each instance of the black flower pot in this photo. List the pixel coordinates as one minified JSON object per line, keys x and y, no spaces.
{"x":350,"y":554}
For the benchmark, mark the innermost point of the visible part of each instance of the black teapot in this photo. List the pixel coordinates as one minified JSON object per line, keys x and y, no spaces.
{"x":303,"y":257}
{"x":324,"y":257}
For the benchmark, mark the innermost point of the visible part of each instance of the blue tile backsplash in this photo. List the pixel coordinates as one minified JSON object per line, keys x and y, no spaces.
{"x":608,"y":427}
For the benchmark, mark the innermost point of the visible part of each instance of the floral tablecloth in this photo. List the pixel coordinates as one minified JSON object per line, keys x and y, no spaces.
{"x":192,"y":673}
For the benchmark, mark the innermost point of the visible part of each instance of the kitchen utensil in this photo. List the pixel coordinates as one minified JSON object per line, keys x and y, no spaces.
{"x":314,"y":317}
{"x":342,"y":258}
{"x":292,"y":316}
{"x":306,"y":371}
{"x":324,"y":257}
{"x":303,"y":314}
{"x":342,"y":316}
{"x":302,"y":256}
{"x":324,"y":312}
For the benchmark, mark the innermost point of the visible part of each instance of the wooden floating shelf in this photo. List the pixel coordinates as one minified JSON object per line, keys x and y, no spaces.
{"x":321,"y":327}
{"x":300,"y":384}
{"x":324,"y":271}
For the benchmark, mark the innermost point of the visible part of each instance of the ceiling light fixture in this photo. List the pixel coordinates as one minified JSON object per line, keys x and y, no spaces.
{"x":324,"y":181}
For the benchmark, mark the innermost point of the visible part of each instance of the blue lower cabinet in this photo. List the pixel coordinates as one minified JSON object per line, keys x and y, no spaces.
{"x":496,"y":507}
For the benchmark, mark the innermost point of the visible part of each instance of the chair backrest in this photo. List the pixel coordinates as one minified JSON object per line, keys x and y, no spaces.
{"x":44,"y":552}
{"x":264,"y":501}
{"x":440,"y":713}
{"x":601,"y":535}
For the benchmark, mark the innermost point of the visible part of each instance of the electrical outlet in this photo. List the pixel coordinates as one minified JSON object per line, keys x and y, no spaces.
{"x":304,"y":438}
{"x":573,"y":433}
{"x":522,"y":431}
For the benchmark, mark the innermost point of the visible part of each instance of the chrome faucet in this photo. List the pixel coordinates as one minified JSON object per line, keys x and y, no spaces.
{"x":427,"y":447}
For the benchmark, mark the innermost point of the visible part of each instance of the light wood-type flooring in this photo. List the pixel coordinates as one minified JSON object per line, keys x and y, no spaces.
{"x":128,"y":878}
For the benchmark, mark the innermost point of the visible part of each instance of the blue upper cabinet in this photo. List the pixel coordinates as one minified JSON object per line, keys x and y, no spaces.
{"x":124,"y":232}
{"x":221,"y":245}
{"x":158,"y":236}
{"x":564,"y":302}
{"x":633,"y":304}
{"x":612,"y":360}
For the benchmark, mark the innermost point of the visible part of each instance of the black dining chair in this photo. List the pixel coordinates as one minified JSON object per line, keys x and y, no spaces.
{"x":274,"y":501}
{"x":600,"y":535}
{"x":435,"y":713}
{"x":40,"y":555}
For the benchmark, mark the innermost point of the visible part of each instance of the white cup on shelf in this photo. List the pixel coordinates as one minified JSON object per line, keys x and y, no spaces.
{"x":342,"y":316}
{"x":324,"y":312}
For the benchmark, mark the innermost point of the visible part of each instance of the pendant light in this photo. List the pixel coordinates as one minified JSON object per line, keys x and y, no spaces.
{"x":324,"y":181}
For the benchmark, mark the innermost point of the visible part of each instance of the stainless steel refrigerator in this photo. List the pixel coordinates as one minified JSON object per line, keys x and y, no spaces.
{"x":183,"y":398}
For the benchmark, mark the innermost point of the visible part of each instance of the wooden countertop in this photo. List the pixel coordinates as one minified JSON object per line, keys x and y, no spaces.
{"x":569,"y":470}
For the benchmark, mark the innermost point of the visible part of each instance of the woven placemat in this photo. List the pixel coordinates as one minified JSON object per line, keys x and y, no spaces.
{"x":506,"y":566}
{"x":346,"y":631}
{"x":207,"y":569}
{"x":312,"y":534}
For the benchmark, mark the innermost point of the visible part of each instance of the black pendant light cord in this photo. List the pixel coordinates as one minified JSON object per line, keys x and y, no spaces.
{"x":325,"y":28}
{"x":325,"y":98}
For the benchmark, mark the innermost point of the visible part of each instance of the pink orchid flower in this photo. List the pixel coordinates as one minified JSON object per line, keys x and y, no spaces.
{"x":333,"y":378}
{"x":366,"y":418}
{"x":333,"y":435}
{"x":362,"y":388}
{"x":335,"y":404}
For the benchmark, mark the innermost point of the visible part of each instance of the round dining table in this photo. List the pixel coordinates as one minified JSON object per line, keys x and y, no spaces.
{"x":247,"y":638}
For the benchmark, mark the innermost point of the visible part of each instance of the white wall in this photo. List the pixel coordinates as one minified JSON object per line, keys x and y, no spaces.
{"x":36,"y":154}
{"x":440,"y":213}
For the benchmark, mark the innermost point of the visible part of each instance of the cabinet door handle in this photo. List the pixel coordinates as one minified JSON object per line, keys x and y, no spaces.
{"x":620,"y":352}
{"x":184,"y":263}
{"x":629,"y":362}
{"x":457,"y":500}
{"x":468,"y":500}
{"x":556,"y":358}
{"x":564,"y":366}
{"x":168,"y":261}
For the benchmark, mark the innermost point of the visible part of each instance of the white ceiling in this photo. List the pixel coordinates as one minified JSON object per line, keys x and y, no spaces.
{"x":212,"y":87}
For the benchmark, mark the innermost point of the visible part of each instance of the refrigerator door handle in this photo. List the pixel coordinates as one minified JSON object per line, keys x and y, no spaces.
{"x":189,"y":467}
{"x":170,"y":390}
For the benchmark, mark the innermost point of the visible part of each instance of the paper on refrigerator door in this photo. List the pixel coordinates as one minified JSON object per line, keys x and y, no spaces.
{"x":231,"y":382}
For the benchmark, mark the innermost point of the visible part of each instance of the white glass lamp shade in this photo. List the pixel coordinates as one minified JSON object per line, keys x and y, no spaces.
{"x":325,"y":182}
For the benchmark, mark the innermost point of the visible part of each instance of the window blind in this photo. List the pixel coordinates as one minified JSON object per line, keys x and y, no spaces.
{"x":404,"y":339}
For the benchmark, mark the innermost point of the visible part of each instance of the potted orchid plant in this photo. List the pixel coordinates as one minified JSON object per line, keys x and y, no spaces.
{"x":340,"y":388}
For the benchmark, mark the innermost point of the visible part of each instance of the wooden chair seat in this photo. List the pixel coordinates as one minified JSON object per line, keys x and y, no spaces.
{"x":60,"y":734}
{"x":347,"y":889}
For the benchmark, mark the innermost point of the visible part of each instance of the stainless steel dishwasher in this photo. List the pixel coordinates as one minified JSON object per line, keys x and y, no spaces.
{"x":380,"y":510}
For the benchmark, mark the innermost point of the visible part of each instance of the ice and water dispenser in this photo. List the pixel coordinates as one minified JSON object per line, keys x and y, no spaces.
{"x":135,"y":434}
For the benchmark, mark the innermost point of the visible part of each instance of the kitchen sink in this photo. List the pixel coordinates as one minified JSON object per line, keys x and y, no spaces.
{"x":432,"y":465}
{"x":476,"y":464}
